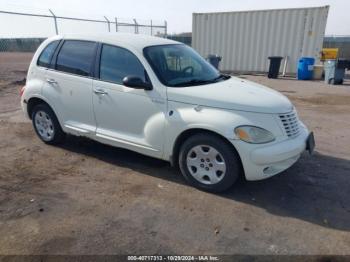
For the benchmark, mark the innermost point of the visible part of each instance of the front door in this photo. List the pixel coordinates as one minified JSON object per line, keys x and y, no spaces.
{"x":127,"y":117}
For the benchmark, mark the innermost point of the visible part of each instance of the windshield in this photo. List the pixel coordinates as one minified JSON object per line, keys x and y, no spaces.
{"x":179,"y":65}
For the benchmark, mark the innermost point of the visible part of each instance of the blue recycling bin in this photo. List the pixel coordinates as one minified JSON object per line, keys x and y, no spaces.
{"x":305,"y":68}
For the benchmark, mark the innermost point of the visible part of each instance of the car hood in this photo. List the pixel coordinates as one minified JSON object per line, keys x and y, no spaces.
{"x":234,"y":94}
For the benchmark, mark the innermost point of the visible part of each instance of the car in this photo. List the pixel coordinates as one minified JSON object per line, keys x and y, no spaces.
{"x":160,"y":98}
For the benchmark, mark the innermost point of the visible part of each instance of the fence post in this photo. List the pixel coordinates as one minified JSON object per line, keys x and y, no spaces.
{"x":108,"y":23}
{"x":151,"y":27}
{"x":136,"y":27}
{"x":165,"y":29}
{"x":116,"y":24}
{"x":55,"y":20}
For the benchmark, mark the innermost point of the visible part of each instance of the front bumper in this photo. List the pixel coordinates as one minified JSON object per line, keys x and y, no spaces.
{"x":263,"y":161}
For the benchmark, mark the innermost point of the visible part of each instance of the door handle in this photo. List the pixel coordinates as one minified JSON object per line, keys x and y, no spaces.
{"x":100,"y":91}
{"x":158,"y":101}
{"x":51,"y":81}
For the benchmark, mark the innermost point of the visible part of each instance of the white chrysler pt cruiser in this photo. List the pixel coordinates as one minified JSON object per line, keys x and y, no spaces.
{"x":160,"y":98}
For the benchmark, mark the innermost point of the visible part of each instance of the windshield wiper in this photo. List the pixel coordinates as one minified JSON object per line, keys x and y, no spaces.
{"x":201,"y":81}
{"x":221,"y":76}
{"x":193,"y":82}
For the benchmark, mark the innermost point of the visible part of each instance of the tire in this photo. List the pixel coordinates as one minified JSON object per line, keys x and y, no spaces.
{"x":46,"y":125}
{"x":219,"y":170}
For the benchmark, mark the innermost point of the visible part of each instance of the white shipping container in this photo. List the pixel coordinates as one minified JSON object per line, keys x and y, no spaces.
{"x":246,"y":39}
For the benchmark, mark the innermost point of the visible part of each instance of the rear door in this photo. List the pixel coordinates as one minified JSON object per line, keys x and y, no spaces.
{"x":69,"y":86}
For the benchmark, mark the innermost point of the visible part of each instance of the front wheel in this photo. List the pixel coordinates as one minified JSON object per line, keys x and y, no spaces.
{"x":209,"y":163}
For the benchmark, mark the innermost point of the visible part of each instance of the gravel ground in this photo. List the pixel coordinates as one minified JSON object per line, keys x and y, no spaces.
{"x":88,"y":198}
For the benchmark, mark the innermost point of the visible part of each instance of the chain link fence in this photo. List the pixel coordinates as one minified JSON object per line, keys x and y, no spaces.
{"x":20,"y":44}
{"x":24,"y":31}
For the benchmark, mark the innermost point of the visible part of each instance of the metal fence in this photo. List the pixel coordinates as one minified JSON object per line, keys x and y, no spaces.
{"x":23,"y":31}
{"x":20,"y":44}
{"x":183,"y":39}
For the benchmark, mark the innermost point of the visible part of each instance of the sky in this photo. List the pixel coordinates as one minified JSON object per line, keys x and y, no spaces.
{"x":178,"y":13}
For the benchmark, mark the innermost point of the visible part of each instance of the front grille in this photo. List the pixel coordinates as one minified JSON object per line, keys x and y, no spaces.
{"x":290,"y":123}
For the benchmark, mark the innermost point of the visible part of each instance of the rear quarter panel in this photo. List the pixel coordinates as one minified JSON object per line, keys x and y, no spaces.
{"x":35,"y":77}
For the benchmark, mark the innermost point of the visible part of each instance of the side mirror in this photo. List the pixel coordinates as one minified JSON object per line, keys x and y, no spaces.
{"x":137,"y":83}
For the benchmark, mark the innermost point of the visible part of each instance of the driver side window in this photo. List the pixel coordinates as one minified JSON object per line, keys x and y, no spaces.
{"x":117,"y":63}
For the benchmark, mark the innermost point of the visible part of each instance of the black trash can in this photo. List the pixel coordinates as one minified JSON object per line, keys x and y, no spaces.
{"x":214,"y":60}
{"x":275,"y":63}
{"x":343,"y":63}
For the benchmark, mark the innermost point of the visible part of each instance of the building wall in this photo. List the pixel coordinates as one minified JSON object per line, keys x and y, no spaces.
{"x":340,"y":42}
{"x":246,"y":39}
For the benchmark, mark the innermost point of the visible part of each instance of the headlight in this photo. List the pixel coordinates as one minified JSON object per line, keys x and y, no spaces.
{"x":254,"y":135}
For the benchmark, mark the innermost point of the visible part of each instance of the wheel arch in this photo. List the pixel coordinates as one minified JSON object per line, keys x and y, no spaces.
{"x":34,"y":101}
{"x":58,"y":134}
{"x":182,"y":137}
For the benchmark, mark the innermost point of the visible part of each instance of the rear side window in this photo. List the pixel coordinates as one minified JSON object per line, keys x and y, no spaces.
{"x":117,"y":63}
{"x":46,"y":55}
{"x":76,"y":57}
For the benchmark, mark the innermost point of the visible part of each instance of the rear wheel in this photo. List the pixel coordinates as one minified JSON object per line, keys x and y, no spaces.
{"x":46,"y":125}
{"x":209,"y":163}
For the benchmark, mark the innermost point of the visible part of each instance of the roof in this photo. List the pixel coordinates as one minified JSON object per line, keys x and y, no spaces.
{"x":138,"y":41}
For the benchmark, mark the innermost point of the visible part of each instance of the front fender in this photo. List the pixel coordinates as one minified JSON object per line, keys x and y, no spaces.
{"x":219,"y":121}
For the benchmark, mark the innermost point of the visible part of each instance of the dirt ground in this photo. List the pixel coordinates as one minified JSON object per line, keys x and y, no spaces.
{"x":87,"y":198}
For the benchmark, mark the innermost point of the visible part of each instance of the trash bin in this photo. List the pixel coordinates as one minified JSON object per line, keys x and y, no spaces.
{"x":305,"y":68}
{"x":214,"y":60}
{"x":335,"y":71}
{"x":318,"y":72}
{"x":275,"y":63}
